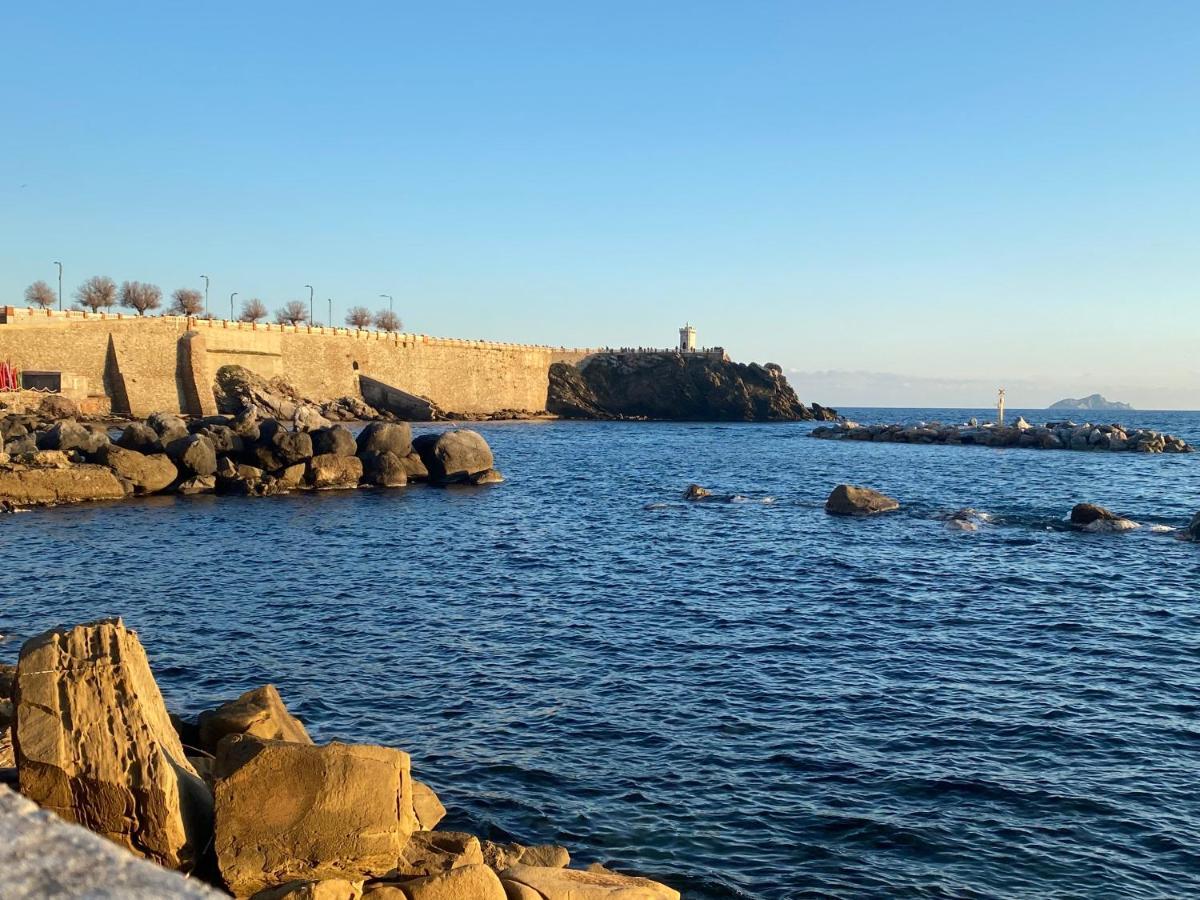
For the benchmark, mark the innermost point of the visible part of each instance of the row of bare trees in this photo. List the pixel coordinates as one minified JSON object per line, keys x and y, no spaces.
{"x":101,"y":292}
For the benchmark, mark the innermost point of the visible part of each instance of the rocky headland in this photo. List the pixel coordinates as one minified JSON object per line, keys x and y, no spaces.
{"x":675,"y":386}
{"x":240,"y":797}
{"x":1091,"y":401}
{"x":1051,"y":436}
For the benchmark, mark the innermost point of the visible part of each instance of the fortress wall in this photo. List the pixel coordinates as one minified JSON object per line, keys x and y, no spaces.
{"x":143,"y":365}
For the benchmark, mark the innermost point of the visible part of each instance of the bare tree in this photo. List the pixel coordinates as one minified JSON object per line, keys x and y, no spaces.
{"x":293,"y":313}
{"x":386,"y":320}
{"x":98,"y":292}
{"x":358,"y":317}
{"x":40,"y":294}
{"x":253,"y":310}
{"x":187,"y":302}
{"x":140,"y":296}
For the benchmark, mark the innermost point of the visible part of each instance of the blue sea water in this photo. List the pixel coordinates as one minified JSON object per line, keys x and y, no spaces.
{"x":744,"y":699}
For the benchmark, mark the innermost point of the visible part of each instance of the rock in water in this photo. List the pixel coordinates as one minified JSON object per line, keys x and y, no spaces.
{"x":695,"y":492}
{"x":852,"y":500}
{"x":574,"y":884}
{"x":455,"y":455}
{"x":380,"y":436}
{"x":427,"y":808}
{"x":329,"y":470}
{"x":94,"y":743}
{"x":289,"y":811}
{"x":260,"y":713}
{"x":1193,"y":529}
{"x":1090,"y":517}
{"x":148,"y":474}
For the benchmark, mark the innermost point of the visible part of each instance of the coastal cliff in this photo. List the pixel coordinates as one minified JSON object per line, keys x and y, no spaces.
{"x":1091,"y":401}
{"x":677,"y":387}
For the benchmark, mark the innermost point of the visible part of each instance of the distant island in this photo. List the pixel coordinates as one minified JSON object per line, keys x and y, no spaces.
{"x":1093,"y":401}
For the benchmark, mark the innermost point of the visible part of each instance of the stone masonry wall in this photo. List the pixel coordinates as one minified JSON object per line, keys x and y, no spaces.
{"x":144,"y":364}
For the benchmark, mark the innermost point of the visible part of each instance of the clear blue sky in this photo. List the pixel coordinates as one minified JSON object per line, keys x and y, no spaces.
{"x":954,"y":189}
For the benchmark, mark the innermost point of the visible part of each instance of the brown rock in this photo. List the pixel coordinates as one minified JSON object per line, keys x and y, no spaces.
{"x":383,"y":469}
{"x":291,"y":477}
{"x":331,"y":470}
{"x":454,"y":455}
{"x":466,"y":883}
{"x":851,"y":500}
{"x":260,"y":713}
{"x":26,"y":486}
{"x":431,"y":852}
{"x":573,"y":884}
{"x":505,"y":856}
{"x":94,"y":744}
{"x":516,"y":891}
{"x":330,"y":889}
{"x":148,"y":473}
{"x":288,"y":811}
{"x":413,"y":467}
{"x":487,"y":476}
{"x":546,"y":855}
{"x":427,"y":808}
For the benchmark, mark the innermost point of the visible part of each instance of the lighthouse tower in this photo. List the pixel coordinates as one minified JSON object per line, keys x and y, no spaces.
{"x":687,"y":339}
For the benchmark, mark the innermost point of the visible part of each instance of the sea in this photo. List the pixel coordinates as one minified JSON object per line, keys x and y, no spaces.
{"x":742,"y":697}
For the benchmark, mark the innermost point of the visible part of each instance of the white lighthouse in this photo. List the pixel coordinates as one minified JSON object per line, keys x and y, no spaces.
{"x":687,"y":339}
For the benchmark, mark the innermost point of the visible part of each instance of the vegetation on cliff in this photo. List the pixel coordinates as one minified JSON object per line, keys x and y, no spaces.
{"x":674,"y":386}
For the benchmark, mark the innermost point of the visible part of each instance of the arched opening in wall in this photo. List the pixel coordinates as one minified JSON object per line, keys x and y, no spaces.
{"x":354,"y":365}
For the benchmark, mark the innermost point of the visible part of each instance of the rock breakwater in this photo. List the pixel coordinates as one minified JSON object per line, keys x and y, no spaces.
{"x":243,"y":799}
{"x":1051,"y":436}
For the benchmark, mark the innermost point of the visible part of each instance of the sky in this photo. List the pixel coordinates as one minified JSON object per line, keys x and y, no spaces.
{"x":947,"y":196}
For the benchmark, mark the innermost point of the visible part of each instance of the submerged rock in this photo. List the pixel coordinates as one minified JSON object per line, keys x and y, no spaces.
{"x":1090,"y":517}
{"x":853,"y":500}
{"x":696,"y":492}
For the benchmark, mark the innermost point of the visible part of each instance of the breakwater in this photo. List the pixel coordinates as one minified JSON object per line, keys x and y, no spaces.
{"x":1051,"y":436}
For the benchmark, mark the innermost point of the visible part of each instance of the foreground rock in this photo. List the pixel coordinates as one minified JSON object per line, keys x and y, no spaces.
{"x":240,"y":391}
{"x":1052,"y":436}
{"x":259,"y":713}
{"x":42,"y":856}
{"x":456,"y":456}
{"x":1089,"y":517}
{"x":672,"y":386}
{"x":94,"y":743}
{"x":592,"y":884}
{"x":852,"y":500}
{"x":36,"y":480}
{"x":289,"y":811}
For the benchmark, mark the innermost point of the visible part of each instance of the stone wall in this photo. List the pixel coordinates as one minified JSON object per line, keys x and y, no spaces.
{"x":146,"y":364}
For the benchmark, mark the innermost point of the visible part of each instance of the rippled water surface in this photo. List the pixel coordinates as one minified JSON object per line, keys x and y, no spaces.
{"x":743,"y":699}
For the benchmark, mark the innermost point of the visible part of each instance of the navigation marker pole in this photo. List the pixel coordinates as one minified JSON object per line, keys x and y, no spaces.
{"x":1000,"y":409}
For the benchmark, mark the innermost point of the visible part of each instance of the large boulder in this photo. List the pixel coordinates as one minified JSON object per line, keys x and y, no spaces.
{"x":147,"y":473}
{"x":292,"y":447}
{"x":553,"y":883}
{"x":39,"y":484}
{"x":260,"y":713}
{"x":168,"y":426}
{"x":94,"y":743}
{"x":852,"y":500}
{"x":140,"y":437}
{"x":335,"y":439}
{"x":477,"y":882}
{"x":380,"y":436}
{"x":1090,"y":517}
{"x":383,"y":469}
{"x":289,"y":811}
{"x":70,"y":435}
{"x":505,"y":856}
{"x":329,"y":470}
{"x":194,"y":454}
{"x":455,"y":455}
{"x":427,"y":808}
{"x":56,"y":406}
{"x":430,"y":852}
{"x":329,"y":889}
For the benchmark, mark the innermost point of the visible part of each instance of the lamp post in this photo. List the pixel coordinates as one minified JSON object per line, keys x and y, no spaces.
{"x":330,"y":312}
{"x":389,"y":300}
{"x":57,"y":263}
{"x":231,"y":296}
{"x":310,"y":303}
{"x":205,"y":277}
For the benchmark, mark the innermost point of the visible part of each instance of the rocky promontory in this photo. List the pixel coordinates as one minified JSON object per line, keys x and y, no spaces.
{"x":1091,"y":401}
{"x":1051,"y":436}
{"x":241,"y":797}
{"x":675,"y":386}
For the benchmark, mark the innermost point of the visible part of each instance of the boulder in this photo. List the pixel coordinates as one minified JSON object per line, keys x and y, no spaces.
{"x":695,"y":492}
{"x":329,"y":470}
{"x":336,"y":439}
{"x":330,"y":889}
{"x":455,"y":455}
{"x":290,"y":811}
{"x":291,"y":447}
{"x":20,"y":446}
{"x":476,"y":882}
{"x":505,"y":856}
{"x":70,"y":435}
{"x":574,"y":884}
{"x":431,"y":852}
{"x":852,"y":500}
{"x":1090,"y":517}
{"x":223,"y":439}
{"x":487,"y":476}
{"x":427,"y":808}
{"x":140,"y":437}
{"x":148,"y":474}
{"x":194,"y":455}
{"x":37,"y":485}
{"x":290,"y":478}
{"x":380,"y":436}
{"x":94,"y":744}
{"x":167,"y":426}
{"x":197,"y":484}
{"x":383,"y":469}
{"x":414,"y":467}
{"x":1193,"y":529}
{"x":56,"y":406}
{"x":259,"y":713}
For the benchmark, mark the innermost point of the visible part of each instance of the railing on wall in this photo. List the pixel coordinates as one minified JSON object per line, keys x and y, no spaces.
{"x":12,"y":314}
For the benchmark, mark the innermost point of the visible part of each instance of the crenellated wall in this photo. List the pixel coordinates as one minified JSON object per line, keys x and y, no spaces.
{"x":147,"y":364}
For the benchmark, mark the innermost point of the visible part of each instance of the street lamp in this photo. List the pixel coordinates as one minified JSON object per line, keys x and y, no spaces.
{"x":205,"y":277}
{"x":231,"y":296}
{"x":330,"y":312}
{"x":57,"y":263}
{"x":389,"y":300}
{"x":310,"y":309}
